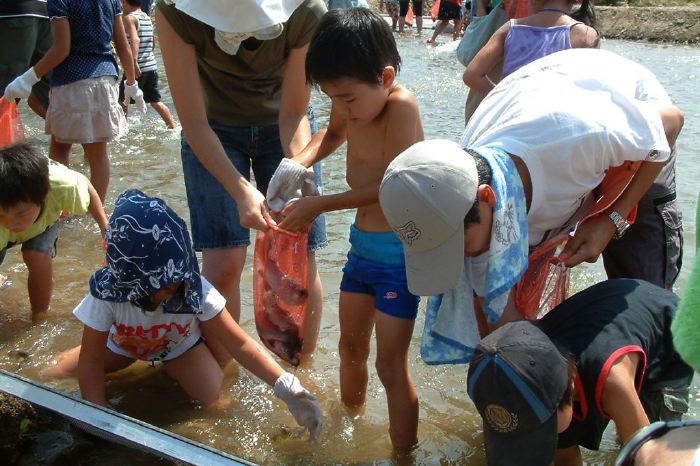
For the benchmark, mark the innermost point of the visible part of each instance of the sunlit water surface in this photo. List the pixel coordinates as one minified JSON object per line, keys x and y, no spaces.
{"x":256,"y":426}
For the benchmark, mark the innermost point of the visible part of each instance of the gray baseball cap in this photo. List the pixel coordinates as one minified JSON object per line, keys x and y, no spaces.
{"x":425,"y":194}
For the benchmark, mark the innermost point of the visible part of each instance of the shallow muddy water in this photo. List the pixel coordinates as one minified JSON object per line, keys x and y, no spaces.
{"x":256,"y":426}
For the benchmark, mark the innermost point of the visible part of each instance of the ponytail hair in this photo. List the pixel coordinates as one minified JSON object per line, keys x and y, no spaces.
{"x":586,"y":14}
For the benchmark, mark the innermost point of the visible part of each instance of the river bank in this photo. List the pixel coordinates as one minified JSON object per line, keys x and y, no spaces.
{"x":678,"y":24}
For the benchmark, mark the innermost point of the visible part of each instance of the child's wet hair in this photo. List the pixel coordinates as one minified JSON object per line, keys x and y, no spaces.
{"x":24,"y":176}
{"x":351,"y":43}
{"x":134,"y":2}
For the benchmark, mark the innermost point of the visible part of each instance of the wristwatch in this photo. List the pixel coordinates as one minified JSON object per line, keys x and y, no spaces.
{"x":620,"y":223}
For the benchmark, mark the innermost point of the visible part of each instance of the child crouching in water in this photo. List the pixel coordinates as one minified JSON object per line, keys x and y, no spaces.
{"x":151,"y":303}
{"x":33,"y":194}
{"x":354,"y":60}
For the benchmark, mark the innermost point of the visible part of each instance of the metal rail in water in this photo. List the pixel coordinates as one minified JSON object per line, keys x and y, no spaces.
{"x":114,"y":426}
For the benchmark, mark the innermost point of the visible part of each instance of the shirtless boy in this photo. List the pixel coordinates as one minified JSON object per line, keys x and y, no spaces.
{"x":353,"y":59}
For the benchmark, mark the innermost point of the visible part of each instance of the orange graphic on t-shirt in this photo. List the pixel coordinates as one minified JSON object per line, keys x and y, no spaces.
{"x":141,"y":343}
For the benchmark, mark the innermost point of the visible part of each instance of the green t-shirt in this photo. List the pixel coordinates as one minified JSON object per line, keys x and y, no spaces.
{"x":68,"y":191}
{"x":244,"y":89}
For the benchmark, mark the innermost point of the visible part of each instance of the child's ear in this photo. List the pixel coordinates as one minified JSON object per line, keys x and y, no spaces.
{"x":388,"y":76}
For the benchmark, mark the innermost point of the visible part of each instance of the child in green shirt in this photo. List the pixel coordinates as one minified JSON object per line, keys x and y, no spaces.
{"x":33,"y":194}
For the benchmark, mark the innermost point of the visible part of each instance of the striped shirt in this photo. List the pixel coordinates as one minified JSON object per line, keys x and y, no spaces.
{"x":146,"y":59}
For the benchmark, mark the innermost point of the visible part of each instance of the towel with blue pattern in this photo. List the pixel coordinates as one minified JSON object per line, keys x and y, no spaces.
{"x":451,"y":332}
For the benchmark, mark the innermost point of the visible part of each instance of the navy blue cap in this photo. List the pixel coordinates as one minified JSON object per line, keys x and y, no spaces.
{"x":517,"y":378}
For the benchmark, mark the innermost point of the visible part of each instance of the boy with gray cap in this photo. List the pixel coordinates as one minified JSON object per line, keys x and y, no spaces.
{"x":605,"y":353}
{"x":545,"y":143}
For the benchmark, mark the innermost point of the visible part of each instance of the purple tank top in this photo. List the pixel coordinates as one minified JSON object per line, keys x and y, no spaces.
{"x":525,"y":44}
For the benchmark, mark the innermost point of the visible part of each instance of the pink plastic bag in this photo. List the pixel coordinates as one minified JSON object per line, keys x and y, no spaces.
{"x":11,"y":131}
{"x":280,"y":290}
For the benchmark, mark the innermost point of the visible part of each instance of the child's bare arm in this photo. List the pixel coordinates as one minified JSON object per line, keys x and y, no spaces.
{"x":490,"y":55}
{"x":131,"y":28}
{"x":123,"y":50}
{"x":97,"y":210}
{"x":242,"y":347}
{"x":325,"y":142}
{"x":91,"y":365}
{"x":404,"y":128}
{"x":60,"y":30}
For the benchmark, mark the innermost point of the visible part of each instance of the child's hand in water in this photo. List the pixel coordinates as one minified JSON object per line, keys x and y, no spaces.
{"x":300,"y":402}
{"x":300,"y":212}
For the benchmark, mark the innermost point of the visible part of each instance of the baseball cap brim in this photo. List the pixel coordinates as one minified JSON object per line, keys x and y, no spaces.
{"x":436,"y":270}
{"x":535,"y":447}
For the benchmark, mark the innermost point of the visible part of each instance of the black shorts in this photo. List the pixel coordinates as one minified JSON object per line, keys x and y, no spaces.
{"x":417,"y":8}
{"x":148,"y":83}
{"x":448,"y":11}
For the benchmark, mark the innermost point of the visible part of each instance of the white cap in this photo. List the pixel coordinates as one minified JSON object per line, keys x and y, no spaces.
{"x":426,"y":192}
{"x":239,"y":16}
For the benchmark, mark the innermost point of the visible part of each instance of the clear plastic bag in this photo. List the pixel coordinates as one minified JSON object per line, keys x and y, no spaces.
{"x":11,"y":131}
{"x":280,"y":290}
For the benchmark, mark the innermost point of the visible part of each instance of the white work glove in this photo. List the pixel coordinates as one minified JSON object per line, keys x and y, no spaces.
{"x":21,"y":86}
{"x":302,"y":404}
{"x":290,"y":181}
{"x":132,"y":91}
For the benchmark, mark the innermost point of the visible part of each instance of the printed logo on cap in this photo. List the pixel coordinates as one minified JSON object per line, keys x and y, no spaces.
{"x":500,"y":419}
{"x":409,"y":232}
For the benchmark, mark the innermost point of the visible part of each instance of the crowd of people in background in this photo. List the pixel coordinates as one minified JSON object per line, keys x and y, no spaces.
{"x":548,"y":118}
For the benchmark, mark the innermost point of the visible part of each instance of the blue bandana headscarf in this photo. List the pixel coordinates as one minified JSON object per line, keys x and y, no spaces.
{"x":148,"y":249}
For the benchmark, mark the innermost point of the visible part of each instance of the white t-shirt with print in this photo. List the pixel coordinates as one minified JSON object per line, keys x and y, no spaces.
{"x":570,"y":116}
{"x":148,"y":335}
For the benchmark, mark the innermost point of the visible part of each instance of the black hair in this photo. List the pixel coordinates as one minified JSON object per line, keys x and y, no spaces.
{"x":586,"y":14}
{"x":351,"y":43}
{"x":483,"y":169}
{"x":134,"y":2}
{"x":24,"y":176}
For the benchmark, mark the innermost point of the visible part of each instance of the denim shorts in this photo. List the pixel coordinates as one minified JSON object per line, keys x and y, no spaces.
{"x":213,"y":213}
{"x":44,"y":242}
{"x":376,"y":267}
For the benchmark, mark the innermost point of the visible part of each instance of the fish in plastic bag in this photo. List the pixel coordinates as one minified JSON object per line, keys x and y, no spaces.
{"x":280,"y":290}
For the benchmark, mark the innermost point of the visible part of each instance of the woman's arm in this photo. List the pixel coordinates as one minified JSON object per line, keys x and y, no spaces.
{"x":60,"y":30}
{"x":123,"y":50}
{"x":180,"y":61}
{"x":91,"y":365}
{"x":490,"y":55}
{"x":242,"y":347}
{"x":295,"y":130}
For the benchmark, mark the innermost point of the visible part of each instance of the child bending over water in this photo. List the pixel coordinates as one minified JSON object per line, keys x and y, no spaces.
{"x":151,"y":303}
{"x":354,"y":60}
{"x":33,"y":193}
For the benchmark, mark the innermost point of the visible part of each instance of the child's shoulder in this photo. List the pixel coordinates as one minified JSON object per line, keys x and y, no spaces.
{"x":61,"y":176}
{"x":401,"y":100}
